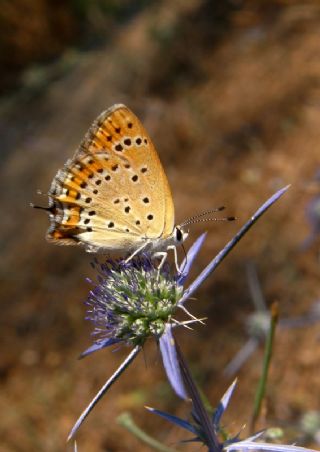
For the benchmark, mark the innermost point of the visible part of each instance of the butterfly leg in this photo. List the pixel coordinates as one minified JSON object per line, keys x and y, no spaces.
{"x":137,"y":251}
{"x":163,"y":255}
{"x":174,"y":248}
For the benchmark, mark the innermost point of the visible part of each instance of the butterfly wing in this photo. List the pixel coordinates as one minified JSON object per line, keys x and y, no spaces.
{"x":113,"y":194}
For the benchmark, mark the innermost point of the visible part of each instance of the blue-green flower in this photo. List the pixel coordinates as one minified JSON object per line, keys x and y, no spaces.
{"x":134,"y":301}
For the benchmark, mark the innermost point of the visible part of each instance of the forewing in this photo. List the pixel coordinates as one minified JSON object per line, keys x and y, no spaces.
{"x":114,"y":193}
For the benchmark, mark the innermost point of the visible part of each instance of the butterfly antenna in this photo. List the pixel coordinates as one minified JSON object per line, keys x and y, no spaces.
{"x":201,"y":220}
{"x":34,"y":206}
{"x":194,"y":217}
{"x":48,"y":209}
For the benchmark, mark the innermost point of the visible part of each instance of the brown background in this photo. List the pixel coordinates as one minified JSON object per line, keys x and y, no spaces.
{"x":230,"y":93}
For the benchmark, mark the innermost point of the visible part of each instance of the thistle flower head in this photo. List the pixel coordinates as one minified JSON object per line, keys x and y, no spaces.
{"x":132,"y":301}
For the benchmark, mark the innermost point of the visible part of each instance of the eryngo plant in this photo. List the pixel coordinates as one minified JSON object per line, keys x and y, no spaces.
{"x":134,"y":301}
{"x":206,"y":427}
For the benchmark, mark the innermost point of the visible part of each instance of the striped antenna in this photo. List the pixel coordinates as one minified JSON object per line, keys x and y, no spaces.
{"x":199,"y":218}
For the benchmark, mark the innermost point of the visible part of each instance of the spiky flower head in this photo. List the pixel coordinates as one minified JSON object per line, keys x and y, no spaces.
{"x":132,"y":301}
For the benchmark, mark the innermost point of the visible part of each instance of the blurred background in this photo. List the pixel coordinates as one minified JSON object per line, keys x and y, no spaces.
{"x":230,"y":93}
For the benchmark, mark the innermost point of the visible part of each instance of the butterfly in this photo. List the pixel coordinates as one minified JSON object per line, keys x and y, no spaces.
{"x":113,"y":195}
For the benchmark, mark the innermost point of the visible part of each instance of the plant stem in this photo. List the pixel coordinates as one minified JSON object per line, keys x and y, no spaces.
{"x":126,"y":421}
{"x":261,"y":390}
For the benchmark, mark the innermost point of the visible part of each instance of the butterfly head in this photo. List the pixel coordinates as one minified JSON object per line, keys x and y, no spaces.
{"x":179,"y":234}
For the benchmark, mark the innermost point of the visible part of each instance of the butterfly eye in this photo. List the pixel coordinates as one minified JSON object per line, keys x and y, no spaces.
{"x":179,"y":235}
